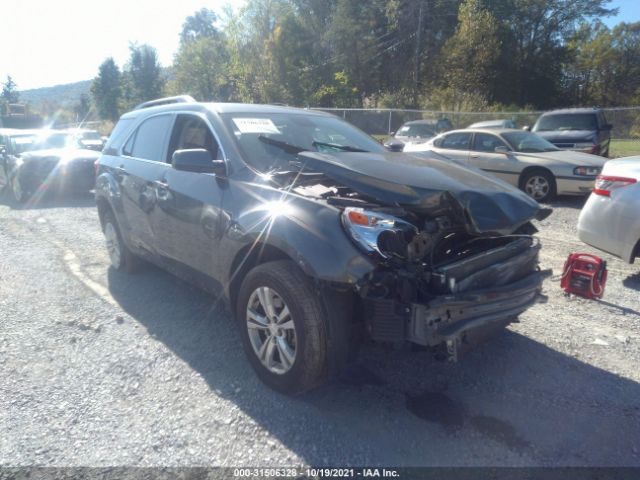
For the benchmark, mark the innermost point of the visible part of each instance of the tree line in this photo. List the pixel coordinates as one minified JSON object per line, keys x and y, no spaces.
{"x":429,"y":54}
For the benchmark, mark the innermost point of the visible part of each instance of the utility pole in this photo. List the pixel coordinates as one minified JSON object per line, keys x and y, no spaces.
{"x":416,"y":73}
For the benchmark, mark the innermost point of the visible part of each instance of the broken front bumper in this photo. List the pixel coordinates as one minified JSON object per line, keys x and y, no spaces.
{"x":454,"y":321}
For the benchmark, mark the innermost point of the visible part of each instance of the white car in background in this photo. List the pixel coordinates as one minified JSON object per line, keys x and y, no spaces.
{"x":610,"y":220}
{"x":520,"y":158}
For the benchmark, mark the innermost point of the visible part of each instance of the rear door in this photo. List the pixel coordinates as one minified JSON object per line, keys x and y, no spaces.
{"x":187,"y":221}
{"x":142,"y":164}
{"x":484,"y":157}
{"x":454,"y":145}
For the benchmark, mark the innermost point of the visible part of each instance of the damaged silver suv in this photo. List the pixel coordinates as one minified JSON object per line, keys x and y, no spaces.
{"x":315,"y":234}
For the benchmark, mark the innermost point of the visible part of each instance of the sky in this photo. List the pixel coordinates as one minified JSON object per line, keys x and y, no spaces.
{"x":50,"y":42}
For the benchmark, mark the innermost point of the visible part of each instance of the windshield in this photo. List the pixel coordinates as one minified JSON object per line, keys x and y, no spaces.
{"x":28,"y":143}
{"x":23,"y":143}
{"x":90,"y":136}
{"x":567,"y":121}
{"x":270,"y":141}
{"x":527,"y":142}
{"x":416,"y":130}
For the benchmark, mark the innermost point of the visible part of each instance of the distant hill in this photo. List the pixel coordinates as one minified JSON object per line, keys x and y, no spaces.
{"x":65,"y":95}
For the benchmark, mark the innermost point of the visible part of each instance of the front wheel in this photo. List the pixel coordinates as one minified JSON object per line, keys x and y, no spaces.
{"x":283,"y":327}
{"x":539,"y":185}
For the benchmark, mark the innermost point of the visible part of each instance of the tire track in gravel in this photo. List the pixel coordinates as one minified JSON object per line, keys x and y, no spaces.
{"x":69,"y":258}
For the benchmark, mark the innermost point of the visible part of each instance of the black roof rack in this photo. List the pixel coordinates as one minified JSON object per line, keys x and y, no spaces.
{"x":166,"y":101}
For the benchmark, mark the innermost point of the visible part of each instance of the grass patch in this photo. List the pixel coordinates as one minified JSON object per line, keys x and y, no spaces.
{"x":624,"y":148}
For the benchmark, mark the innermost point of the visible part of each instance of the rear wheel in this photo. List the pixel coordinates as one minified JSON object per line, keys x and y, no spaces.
{"x":120,"y":256}
{"x":283,"y":327}
{"x":539,"y":185}
{"x":19,"y":195}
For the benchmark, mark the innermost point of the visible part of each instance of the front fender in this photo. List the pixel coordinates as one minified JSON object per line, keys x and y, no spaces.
{"x":108,"y":190}
{"x":310,"y":233}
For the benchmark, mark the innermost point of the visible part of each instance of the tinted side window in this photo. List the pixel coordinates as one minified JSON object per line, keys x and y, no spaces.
{"x":150,"y":136}
{"x":456,"y":141}
{"x":190,"y":132}
{"x":118,"y":135}
{"x":484,"y":142}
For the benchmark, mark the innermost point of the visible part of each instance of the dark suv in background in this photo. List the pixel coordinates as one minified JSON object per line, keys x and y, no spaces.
{"x":315,"y":234}
{"x":582,"y":129}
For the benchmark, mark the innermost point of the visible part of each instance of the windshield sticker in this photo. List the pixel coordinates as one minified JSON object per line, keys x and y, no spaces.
{"x":255,"y":125}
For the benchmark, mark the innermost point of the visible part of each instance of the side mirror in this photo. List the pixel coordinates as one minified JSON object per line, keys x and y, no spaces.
{"x":526,"y":128}
{"x":197,"y":160}
{"x":394,"y":145}
{"x":391,"y":134}
{"x":608,"y":127}
{"x":501,"y":149}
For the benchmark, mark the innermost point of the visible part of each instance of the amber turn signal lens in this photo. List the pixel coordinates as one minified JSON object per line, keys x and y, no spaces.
{"x":358,"y":218}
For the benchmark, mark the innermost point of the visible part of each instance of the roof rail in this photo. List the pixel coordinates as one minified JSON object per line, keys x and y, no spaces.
{"x":166,"y":101}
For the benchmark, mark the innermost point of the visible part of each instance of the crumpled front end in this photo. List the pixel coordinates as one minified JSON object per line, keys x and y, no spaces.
{"x":457,"y":304}
{"x":453,"y":249}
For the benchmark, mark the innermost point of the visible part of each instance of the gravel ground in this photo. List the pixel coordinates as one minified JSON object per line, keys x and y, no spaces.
{"x":100,"y":368}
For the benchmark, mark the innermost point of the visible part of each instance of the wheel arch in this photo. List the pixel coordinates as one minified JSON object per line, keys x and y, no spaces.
{"x":531,"y":169}
{"x":104,"y":207}
{"x":247,"y":258}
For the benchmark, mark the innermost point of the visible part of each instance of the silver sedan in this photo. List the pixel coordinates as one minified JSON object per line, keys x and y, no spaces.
{"x":610,"y":220}
{"x":520,"y":158}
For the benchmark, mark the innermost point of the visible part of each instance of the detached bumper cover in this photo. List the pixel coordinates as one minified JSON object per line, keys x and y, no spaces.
{"x":456,"y":320}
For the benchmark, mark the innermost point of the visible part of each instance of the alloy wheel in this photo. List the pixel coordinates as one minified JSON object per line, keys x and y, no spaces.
{"x":537,"y":187}
{"x":271,"y":330}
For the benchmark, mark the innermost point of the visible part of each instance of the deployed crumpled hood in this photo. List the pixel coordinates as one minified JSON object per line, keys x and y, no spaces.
{"x":432,"y":185}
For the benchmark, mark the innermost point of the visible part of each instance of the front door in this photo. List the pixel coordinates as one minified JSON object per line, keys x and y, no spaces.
{"x":483,"y":155}
{"x":187,"y":221}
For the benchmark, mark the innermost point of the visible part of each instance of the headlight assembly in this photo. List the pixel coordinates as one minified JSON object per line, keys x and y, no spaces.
{"x":378,"y":232}
{"x":587,"y":171}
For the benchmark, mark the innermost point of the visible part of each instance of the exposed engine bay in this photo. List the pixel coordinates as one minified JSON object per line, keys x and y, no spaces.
{"x":432,"y":256}
{"x":433,"y":270}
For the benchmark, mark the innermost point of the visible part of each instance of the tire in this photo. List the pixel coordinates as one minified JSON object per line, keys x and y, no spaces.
{"x":294,"y":349}
{"x":539,"y":185}
{"x":19,"y":195}
{"x":121,"y":258}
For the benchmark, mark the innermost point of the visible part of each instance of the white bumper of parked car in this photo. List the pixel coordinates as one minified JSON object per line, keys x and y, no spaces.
{"x":602,"y":226}
{"x":575,"y":185}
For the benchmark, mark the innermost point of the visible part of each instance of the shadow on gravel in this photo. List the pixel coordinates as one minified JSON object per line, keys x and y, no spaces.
{"x":568,"y":201}
{"x":632,"y":281}
{"x":52,"y":199}
{"x":509,"y":400}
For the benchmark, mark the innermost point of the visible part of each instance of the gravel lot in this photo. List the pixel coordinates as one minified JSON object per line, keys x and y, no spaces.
{"x":101,"y":369}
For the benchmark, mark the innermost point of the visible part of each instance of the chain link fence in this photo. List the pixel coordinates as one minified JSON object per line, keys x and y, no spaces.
{"x":382,"y":122}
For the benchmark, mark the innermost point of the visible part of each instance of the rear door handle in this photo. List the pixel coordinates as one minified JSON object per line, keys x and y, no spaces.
{"x":473,"y":155}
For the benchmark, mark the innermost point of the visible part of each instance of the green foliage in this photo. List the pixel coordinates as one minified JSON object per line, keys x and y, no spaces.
{"x":142,"y":76}
{"x":201,"y":69}
{"x":10,"y":91}
{"x":199,"y":25}
{"x":468,"y":60}
{"x":437,"y":54}
{"x":106,"y":90}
